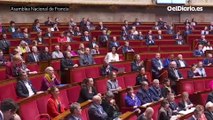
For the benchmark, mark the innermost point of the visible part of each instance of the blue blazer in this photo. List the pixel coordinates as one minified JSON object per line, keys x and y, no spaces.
{"x":206,"y":61}
{"x":156,"y":64}
{"x":198,"y":53}
{"x":130,"y":102}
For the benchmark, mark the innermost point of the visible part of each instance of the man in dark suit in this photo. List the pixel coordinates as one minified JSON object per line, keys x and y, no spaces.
{"x":126,"y":48}
{"x":155,"y":90}
{"x":34,"y":56}
{"x":17,"y":33}
{"x":86,"y":58}
{"x":137,"y":63}
{"x":101,"y":26}
{"x":159,"y":36}
{"x":83,"y":23}
{"x":172,"y":104}
{"x":49,"y":22}
{"x":107,"y":68}
{"x":45,"y":54}
{"x":136,"y":23}
{"x":96,"y":111}
{"x":27,"y":40}
{"x":141,"y":77}
{"x":114,"y":43}
{"x":150,"y":40}
{"x":174,"y":74}
{"x":93,"y":43}
{"x":208,"y":61}
{"x":203,"y":40}
{"x":24,"y":87}
{"x":147,"y":115}
{"x":157,"y":65}
{"x":197,"y":114}
{"x":180,"y":62}
{"x":4,"y":43}
{"x":210,"y":97}
{"x":66,"y":62}
{"x":199,"y":51}
{"x":8,"y":109}
{"x":75,"y":110}
{"x":185,"y":103}
{"x":143,"y":94}
{"x":86,"y":36}
{"x":209,"y":111}
{"x":48,"y":33}
{"x":104,"y":38}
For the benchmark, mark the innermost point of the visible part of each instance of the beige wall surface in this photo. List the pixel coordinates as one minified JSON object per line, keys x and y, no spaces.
{"x":107,"y":14}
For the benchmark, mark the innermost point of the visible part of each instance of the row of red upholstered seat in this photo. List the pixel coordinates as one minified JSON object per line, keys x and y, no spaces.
{"x":10,"y":86}
{"x":193,"y":37}
{"x":194,"y":85}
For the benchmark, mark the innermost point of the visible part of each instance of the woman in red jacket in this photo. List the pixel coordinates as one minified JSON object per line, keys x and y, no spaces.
{"x":54,"y":105}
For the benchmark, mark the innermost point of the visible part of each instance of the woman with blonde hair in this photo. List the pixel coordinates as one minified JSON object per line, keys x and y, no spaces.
{"x":49,"y":79}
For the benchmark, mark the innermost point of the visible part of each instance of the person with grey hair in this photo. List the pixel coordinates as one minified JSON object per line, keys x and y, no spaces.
{"x":57,"y":53}
{"x":143,"y":94}
{"x":155,"y":90}
{"x":34,"y":56}
{"x":75,"y":110}
{"x":86,"y":58}
{"x":96,"y":111}
{"x":209,"y":111}
{"x":147,"y":115}
{"x":49,"y":79}
{"x":174,"y":74}
{"x":109,"y":105}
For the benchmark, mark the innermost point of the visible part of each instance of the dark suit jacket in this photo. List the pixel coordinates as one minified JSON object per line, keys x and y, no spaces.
{"x":66,"y":63}
{"x":198,"y":53}
{"x":31,"y":58}
{"x":172,"y":76}
{"x":96,"y":114}
{"x":206,"y":61}
{"x":156,"y":65}
{"x":125,"y":49}
{"x":86,"y":60}
{"x":163,"y":115}
{"x":135,"y":67}
{"x":45,"y":56}
{"x":21,"y":89}
{"x":83,"y":38}
{"x":210,"y":97}
{"x":136,"y":23}
{"x":144,"y":96}
{"x":165,"y":91}
{"x":103,"y":40}
{"x":191,"y":74}
{"x":150,"y":42}
{"x":85,"y":95}
{"x":132,"y":37}
{"x":4,"y":45}
{"x":178,"y":63}
{"x":209,"y":115}
{"x":155,"y":93}
{"x":191,"y":118}
{"x":101,"y":28}
{"x":140,"y":78}
{"x":104,"y":71}
{"x":70,"y":117}
{"x":114,"y":44}
{"x":17,"y":35}
{"x":91,"y":44}
{"x":173,"y":106}
{"x":48,"y":35}
{"x":182,"y":105}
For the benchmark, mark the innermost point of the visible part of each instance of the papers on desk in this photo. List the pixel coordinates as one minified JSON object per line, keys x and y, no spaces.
{"x":147,"y":104}
{"x":187,"y":111}
{"x":175,"y":117}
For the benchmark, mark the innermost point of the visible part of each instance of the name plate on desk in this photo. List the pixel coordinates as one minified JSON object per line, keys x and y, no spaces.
{"x":147,"y":104}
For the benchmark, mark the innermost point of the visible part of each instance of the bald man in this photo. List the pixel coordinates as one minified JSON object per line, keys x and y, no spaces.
{"x":96,"y":111}
{"x":157,"y":65}
{"x":147,"y":115}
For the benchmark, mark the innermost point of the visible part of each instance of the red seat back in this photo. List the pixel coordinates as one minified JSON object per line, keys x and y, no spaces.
{"x":29,"y":110}
{"x":73,"y":93}
{"x":199,"y":85}
{"x":77,"y":75}
{"x":56,"y":64}
{"x":42,"y":103}
{"x":37,"y":81}
{"x":130,"y":79}
{"x":121,"y":82}
{"x":186,"y":86}
{"x":64,"y":98}
{"x":33,"y":67}
{"x":93,"y":72}
{"x":3,"y":73}
{"x":101,"y":85}
{"x":8,"y":91}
